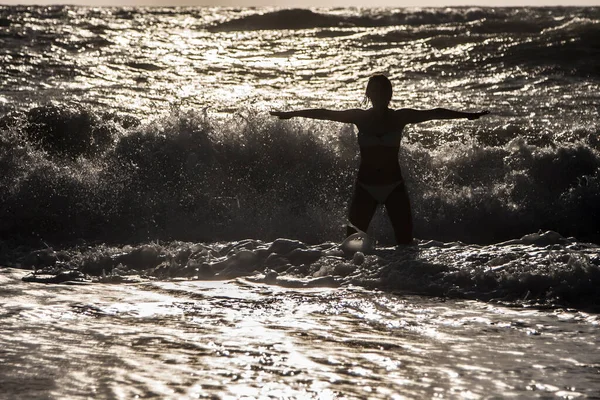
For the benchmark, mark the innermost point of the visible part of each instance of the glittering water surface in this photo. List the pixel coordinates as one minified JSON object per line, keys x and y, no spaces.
{"x":145,"y":59}
{"x":231,"y":339}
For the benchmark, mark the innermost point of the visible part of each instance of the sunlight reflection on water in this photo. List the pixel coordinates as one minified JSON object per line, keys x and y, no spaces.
{"x":233,"y":339}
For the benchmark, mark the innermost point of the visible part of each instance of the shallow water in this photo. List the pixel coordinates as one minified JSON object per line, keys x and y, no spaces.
{"x":229,"y":339}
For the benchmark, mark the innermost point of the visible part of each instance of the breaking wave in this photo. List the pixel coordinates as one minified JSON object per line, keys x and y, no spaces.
{"x":75,"y":173}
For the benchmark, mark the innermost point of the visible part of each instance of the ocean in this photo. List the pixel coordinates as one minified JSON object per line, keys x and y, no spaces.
{"x":163,"y":236}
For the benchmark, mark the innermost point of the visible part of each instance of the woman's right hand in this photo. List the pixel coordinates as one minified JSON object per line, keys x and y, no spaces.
{"x":282,"y":114}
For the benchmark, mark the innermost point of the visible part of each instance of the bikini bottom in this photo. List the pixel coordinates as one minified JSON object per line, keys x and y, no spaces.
{"x":381,"y":192}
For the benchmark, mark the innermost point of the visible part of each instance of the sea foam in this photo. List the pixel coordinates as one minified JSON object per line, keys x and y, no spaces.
{"x":192,"y":176}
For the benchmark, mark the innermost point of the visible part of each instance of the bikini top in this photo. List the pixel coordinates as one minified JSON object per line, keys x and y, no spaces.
{"x":390,"y":139}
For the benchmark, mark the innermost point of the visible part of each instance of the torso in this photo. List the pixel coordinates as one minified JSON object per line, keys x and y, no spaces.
{"x":379,"y":141}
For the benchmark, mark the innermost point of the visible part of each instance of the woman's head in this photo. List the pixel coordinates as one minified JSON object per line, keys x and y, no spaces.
{"x":379,"y":91}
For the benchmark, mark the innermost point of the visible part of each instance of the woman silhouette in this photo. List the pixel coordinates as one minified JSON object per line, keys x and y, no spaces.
{"x":379,"y":179}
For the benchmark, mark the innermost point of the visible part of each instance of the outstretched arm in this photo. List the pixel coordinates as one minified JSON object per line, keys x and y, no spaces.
{"x":349,"y":116}
{"x":408,"y":115}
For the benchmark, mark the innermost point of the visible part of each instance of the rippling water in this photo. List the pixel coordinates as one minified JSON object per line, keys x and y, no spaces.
{"x":234,"y":339}
{"x":201,"y":237}
{"x":144,"y":60}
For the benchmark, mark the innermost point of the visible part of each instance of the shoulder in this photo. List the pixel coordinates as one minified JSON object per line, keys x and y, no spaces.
{"x":355,"y":115}
{"x":403,"y":115}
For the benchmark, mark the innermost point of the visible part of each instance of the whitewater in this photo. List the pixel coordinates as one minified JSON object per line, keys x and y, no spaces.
{"x":162,"y":236}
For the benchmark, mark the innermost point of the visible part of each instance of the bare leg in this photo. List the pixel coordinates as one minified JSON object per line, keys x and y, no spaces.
{"x":362,"y":209}
{"x":398,"y":208}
